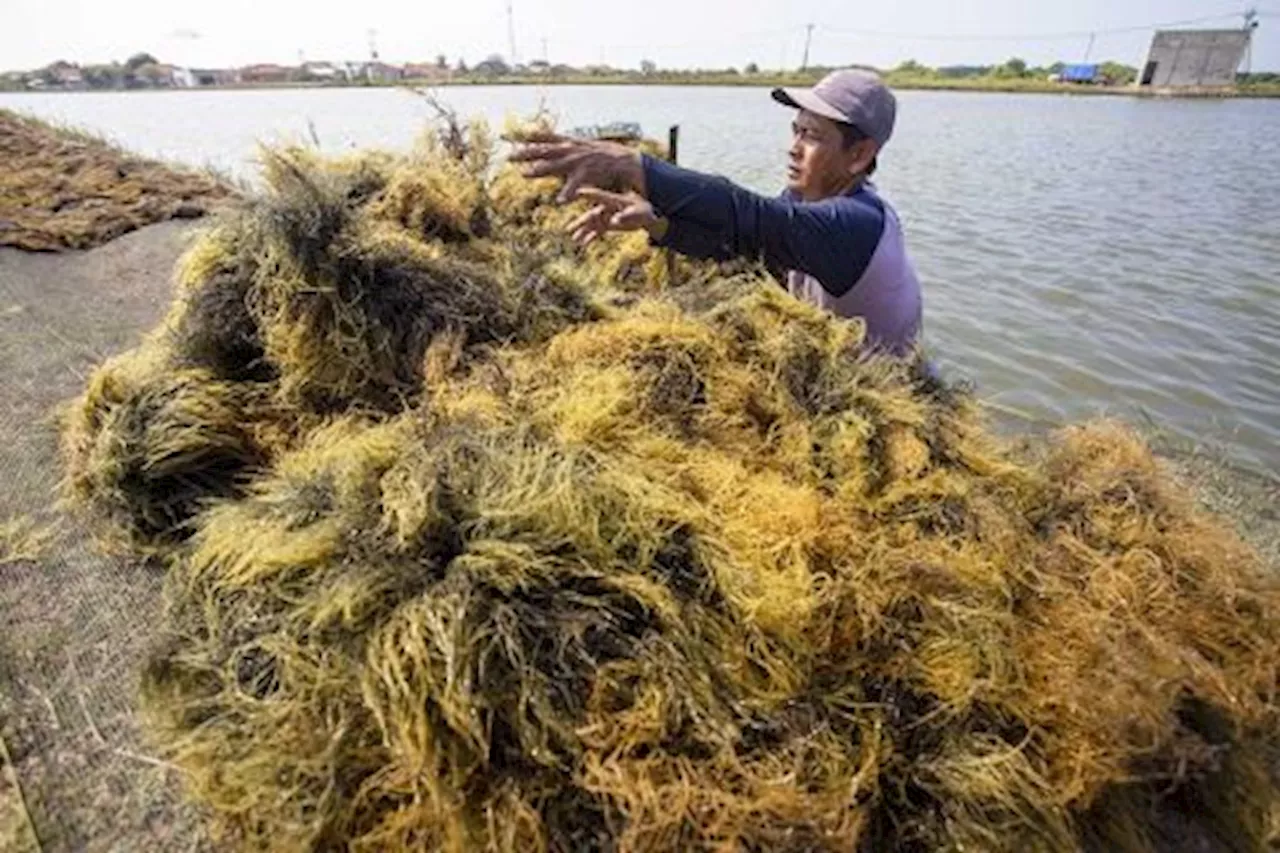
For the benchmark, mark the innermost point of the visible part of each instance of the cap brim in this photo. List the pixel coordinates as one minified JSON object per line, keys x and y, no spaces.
{"x":803,"y":99}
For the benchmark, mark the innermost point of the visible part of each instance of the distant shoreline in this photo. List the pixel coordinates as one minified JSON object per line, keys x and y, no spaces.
{"x":983,"y":84}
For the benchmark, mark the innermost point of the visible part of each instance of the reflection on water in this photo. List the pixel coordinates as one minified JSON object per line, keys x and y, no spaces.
{"x":1080,"y":255}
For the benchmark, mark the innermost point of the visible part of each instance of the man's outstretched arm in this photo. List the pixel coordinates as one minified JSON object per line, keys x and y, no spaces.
{"x":832,"y":240}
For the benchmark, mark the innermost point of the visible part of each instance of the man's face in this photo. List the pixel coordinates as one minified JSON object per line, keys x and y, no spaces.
{"x":820,"y":165}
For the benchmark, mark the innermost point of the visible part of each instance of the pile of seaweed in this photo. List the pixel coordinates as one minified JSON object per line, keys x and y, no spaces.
{"x":63,"y":189}
{"x":475,"y":542}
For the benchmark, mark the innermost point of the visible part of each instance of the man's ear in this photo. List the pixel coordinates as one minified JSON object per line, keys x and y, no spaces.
{"x":863,"y":155}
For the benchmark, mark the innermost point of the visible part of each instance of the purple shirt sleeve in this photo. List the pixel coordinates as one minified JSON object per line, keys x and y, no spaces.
{"x":832,"y":240}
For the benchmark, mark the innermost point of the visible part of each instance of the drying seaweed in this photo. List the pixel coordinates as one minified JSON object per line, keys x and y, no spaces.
{"x":150,"y":444}
{"x":64,"y":189}
{"x":23,"y":540}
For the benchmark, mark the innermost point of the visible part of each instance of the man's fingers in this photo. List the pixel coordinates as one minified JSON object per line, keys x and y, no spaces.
{"x":540,"y":150}
{"x":615,"y":200}
{"x":563,"y":167}
{"x":572,"y":186}
{"x":533,"y":136}
{"x":536,"y":151}
{"x":585,"y":236}
{"x":585,"y":219}
{"x":627,"y":219}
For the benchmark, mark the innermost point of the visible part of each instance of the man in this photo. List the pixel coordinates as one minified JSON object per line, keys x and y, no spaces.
{"x":841,"y":246}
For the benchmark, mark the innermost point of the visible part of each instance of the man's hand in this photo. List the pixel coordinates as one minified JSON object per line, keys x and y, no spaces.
{"x":582,"y":163}
{"x":614,"y":212}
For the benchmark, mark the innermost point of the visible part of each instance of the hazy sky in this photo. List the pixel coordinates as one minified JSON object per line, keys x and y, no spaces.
{"x":673,"y":33}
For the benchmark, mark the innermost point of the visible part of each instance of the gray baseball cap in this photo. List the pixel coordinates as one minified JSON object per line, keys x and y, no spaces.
{"x":852,"y":96}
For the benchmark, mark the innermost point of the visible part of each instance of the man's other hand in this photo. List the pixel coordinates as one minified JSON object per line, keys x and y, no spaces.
{"x":614,"y":212}
{"x":582,"y":163}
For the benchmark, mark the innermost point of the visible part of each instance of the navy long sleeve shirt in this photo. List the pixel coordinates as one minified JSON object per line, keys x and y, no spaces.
{"x":832,"y":240}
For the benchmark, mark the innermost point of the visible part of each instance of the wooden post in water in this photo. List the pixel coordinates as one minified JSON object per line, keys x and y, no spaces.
{"x":673,"y":157}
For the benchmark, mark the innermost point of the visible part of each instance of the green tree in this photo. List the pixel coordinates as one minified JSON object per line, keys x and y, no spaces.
{"x":648,"y":66}
{"x":103,"y":76}
{"x":493,"y":66}
{"x":138,"y":60}
{"x":1117,"y":73}
{"x":752,"y":68}
{"x":911,"y":68}
{"x":442,"y":61}
{"x":1012,"y":68}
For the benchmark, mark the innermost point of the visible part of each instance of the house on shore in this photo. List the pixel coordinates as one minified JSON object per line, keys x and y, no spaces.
{"x":425,"y":71}
{"x":64,"y":75}
{"x":215,"y":76}
{"x":324,"y":72}
{"x":266,"y":73}
{"x":381,"y":72}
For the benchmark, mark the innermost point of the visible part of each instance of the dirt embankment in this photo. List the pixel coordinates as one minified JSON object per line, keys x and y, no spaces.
{"x":64,"y":189}
{"x":74,"y":623}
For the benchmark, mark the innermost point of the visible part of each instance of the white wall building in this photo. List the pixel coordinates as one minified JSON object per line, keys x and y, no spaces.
{"x":1194,"y":58}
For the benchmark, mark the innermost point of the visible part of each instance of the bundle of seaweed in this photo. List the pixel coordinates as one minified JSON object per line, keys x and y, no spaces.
{"x":63,"y":189}
{"x":343,"y":278}
{"x":526,"y":565}
{"x":151,"y":443}
{"x":317,"y":296}
{"x":713,"y":581}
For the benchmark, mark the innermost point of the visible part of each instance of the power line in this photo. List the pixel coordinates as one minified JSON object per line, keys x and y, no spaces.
{"x":1077,"y":34}
{"x":807,"y":31}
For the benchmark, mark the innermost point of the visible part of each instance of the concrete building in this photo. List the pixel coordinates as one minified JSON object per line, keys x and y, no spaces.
{"x":1194,"y":58}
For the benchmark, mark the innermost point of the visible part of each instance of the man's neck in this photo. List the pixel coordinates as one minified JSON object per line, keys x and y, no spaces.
{"x":845,"y":188}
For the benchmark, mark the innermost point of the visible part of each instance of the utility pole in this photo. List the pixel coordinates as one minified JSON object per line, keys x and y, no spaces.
{"x":544,"y":51}
{"x":373,"y":45}
{"x":1088,"y":51}
{"x":511,"y":32}
{"x":1250,"y":24}
{"x":808,"y":40}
